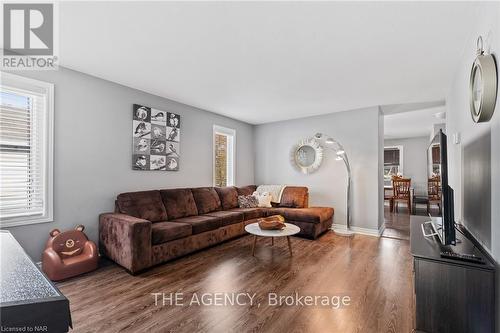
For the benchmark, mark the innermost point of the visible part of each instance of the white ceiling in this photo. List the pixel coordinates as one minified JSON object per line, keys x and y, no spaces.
{"x":261,"y":62}
{"x":412,"y":124}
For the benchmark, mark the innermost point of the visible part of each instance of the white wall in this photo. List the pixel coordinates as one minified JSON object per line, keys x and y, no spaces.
{"x":435,"y":129}
{"x":93,"y":146}
{"x":459,"y":121}
{"x":414,"y":160}
{"x":357,"y":131}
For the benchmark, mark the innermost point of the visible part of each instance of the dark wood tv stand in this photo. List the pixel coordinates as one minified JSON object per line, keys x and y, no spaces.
{"x":450,"y":295}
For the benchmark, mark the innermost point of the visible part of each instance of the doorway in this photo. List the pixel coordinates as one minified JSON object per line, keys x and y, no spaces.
{"x":407,"y":136}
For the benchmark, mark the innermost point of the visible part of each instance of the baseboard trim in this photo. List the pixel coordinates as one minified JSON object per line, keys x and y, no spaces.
{"x":361,"y":231}
{"x":381,"y":229}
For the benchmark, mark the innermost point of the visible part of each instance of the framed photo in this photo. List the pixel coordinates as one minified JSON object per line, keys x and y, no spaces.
{"x":156,"y":138}
{"x":172,"y":164}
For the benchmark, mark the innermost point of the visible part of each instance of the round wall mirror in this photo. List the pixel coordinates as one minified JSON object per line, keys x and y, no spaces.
{"x":307,"y":155}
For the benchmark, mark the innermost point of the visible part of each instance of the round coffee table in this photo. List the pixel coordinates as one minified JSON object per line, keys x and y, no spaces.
{"x":287,"y":231}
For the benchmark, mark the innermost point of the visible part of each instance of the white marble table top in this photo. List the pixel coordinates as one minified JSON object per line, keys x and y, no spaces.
{"x":288,"y":230}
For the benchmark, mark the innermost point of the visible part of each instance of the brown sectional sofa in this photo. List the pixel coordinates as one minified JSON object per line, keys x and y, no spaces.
{"x":152,"y":227}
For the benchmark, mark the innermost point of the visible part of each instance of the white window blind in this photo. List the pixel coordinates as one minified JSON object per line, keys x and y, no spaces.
{"x":25,"y":135}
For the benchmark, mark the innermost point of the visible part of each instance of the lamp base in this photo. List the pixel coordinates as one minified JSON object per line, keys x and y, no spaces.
{"x":343,"y":231}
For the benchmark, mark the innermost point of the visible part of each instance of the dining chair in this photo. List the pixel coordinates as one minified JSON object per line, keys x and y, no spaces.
{"x":389,"y":193}
{"x":402,"y":188}
{"x":434,"y":192}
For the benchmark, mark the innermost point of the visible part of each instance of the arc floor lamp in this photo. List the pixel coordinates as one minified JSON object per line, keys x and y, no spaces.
{"x":329,"y":143}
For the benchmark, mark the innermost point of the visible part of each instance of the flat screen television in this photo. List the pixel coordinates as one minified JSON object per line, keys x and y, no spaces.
{"x":438,"y":188}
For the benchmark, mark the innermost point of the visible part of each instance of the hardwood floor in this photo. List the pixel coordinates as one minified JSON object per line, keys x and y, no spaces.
{"x":397,"y":225}
{"x":374,"y":272}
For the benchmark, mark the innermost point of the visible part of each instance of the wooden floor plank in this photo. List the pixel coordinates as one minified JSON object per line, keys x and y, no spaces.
{"x":374,"y":272}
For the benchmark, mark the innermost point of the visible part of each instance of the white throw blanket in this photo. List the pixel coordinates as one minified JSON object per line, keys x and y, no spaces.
{"x":274,"y":190}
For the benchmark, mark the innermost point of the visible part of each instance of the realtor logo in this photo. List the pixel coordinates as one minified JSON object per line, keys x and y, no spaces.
{"x":28,"y":36}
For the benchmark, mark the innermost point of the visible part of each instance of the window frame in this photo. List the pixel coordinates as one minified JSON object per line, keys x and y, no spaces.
{"x":400,"y":169}
{"x":38,"y":87}
{"x":230,"y":133}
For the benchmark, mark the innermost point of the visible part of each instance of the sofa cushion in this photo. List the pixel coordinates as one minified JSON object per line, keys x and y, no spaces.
{"x":179,"y":202}
{"x":311,"y":215}
{"x":228,"y":197}
{"x":163,"y":232}
{"x":246,"y":190}
{"x":227,"y":217}
{"x":145,"y":205}
{"x":294,"y":197}
{"x":201,"y":223}
{"x":207,"y":200}
{"x":250,"y":213}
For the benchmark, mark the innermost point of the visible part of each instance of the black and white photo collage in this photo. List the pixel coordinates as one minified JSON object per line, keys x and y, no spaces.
{"x":156,"y":139}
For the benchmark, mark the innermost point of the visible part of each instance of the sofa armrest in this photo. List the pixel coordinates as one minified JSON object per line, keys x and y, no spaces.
{"x":126,"y":240}
{"x":50,"y":262}
{"x":90,"y":250}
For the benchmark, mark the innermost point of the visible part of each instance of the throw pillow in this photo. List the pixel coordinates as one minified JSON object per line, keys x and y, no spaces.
{"x":247,"y":201}
{"x":263,"y":198}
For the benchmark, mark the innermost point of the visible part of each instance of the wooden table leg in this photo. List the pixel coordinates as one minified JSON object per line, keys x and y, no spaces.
{"x":253,"y":246}
{"x":289,"y":245}
{"x":272,"y":241}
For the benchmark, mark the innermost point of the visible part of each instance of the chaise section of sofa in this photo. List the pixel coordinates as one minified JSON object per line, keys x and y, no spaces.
{"x":152,"y":227}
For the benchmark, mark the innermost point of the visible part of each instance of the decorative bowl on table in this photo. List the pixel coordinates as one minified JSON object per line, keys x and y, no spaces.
{"x":274,"y":222}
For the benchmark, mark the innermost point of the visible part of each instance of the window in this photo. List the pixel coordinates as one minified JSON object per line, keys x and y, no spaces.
{"x":26,"y":139}
{"x":224,"y":152}
{"x":393,"y":163}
